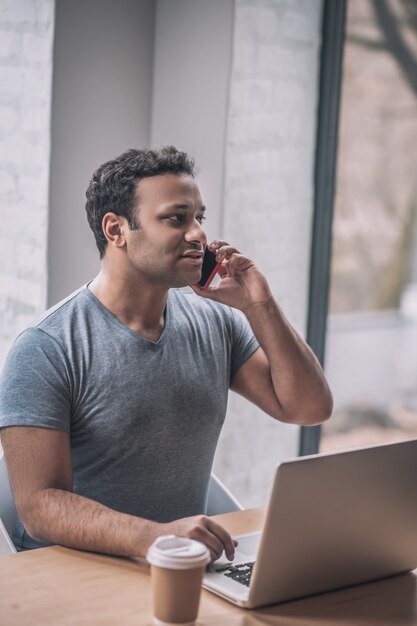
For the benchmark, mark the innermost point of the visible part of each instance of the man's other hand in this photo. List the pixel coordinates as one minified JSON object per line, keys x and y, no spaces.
{"x":204,"y":529}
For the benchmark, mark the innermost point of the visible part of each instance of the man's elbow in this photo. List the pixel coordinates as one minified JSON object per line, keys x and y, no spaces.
{"x":318,"y":412}
{"x":311,"y":413}
{"x":29,"y":521}
{"x":31,"y":512}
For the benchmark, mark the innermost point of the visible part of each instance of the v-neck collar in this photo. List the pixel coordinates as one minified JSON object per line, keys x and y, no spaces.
{"x":153,"y":345}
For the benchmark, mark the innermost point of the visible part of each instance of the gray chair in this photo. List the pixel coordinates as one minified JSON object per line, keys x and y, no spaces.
{"x":7,"y":510}
{"x":219,"y":499}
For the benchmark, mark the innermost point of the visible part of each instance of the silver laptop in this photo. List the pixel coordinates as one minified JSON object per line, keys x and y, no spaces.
{"x":333,"y":520}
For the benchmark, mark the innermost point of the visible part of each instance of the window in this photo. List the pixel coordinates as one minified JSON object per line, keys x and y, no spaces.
{"x":371,"y":353}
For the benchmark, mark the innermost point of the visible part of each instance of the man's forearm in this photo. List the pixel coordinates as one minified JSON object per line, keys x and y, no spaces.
{"x":297,"y":378}
{"x":62,"y":517}
{"x":65,"y":518}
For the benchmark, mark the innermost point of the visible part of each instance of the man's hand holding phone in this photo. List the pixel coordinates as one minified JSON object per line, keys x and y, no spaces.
{"x":242,"y":285}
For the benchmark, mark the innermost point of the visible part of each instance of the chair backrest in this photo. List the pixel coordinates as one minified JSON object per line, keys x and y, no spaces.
{"x":8,"y":512}
{"x":219,"y":498}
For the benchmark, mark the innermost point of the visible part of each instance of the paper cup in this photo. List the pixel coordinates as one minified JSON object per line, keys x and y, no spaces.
{"x":177,"y":569}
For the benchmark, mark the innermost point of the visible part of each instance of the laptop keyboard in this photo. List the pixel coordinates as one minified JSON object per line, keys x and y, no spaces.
{"x":241,"y":573}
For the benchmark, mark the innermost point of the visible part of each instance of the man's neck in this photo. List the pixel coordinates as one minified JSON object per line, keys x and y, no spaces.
{"x":136,"y":304}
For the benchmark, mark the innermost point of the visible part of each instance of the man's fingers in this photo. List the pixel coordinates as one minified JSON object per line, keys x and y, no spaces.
{"x":216,"y":244}
{"x":225,"y":538}
{"x":211,"y":541}
{"x":238,"y":263}
{"x":222,"y":249}
{"x":202,"y":532}
{"x":215,"y":537}
{"x":232,"y":259}
{"x":225,"y":252}
{"x":203,"y":529}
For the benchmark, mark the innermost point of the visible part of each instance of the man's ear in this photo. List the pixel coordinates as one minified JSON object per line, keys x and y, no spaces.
{"x":113,"y":228}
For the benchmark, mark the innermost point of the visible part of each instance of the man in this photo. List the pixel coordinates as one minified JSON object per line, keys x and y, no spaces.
{"x":112,"y":404}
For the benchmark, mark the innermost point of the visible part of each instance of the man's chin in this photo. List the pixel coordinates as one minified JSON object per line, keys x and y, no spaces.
{"x":186,"y":280}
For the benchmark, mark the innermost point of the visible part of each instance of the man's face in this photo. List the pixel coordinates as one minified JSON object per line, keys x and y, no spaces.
{"x":167,"y":248}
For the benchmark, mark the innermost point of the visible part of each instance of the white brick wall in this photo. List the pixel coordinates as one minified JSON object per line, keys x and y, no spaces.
{"x":269,"y":199}
{"x":26,"y":40}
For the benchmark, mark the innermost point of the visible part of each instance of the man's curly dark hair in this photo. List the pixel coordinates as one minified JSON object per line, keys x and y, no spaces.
{"x":113,"y":187}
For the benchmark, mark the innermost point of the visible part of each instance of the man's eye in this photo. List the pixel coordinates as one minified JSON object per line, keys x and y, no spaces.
{"x":201,"y":218}
{"x":177,"y":219}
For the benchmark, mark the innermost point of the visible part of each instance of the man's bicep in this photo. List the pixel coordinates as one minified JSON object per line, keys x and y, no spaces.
{"x":37,"y":459}
{"x":253,"y":381}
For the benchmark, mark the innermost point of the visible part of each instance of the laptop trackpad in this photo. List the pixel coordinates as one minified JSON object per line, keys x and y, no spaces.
{"x":248,"y":545}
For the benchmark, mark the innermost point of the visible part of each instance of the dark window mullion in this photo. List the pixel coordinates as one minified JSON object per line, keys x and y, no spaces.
{"x":333,"y":32}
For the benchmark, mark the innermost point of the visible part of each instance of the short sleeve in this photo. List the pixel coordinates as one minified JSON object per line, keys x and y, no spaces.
{"x":244,"y":342}
{"x":34,"y":385}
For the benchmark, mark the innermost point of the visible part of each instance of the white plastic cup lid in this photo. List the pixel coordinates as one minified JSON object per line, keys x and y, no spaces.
{"x":178,"y":553}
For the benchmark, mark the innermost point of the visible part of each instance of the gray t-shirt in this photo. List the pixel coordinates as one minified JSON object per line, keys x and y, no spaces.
{"x":144,"y":417}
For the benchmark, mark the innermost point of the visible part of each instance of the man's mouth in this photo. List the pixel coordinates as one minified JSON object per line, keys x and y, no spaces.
{"x":193,"y":254}
{"x":193,"y":258}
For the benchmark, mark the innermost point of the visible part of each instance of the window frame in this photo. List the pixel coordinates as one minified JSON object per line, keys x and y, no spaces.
{"x":331,"y":65}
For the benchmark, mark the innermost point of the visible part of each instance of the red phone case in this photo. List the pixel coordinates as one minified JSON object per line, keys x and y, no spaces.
{"x":212,"y":275}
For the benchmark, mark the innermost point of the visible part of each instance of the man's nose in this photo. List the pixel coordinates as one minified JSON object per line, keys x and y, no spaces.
{"x":196,"y":233}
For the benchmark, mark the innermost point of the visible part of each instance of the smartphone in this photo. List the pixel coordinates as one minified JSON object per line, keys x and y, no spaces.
{"x":209,"y":269}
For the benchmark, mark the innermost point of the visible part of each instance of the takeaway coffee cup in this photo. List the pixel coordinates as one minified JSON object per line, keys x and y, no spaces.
{"x":177,"y":568}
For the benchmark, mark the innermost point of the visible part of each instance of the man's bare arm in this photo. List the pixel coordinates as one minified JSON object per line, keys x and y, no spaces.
{"x":283,"y":377}
{"x":40,"y":468}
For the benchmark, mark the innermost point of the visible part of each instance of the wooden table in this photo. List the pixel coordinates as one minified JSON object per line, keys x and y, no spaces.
{"x":61,"y":587}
